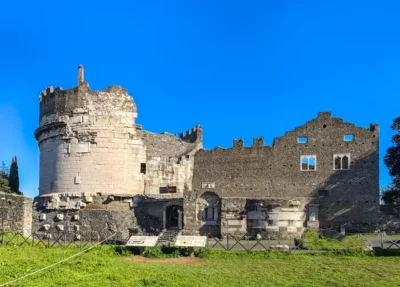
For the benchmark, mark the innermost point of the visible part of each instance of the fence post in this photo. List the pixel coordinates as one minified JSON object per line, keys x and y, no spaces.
{"x":65,"y":240}
{"x":2,"y":237}
{"x":381,"y":239}
{"x":290,"y":240}
{"x":227,"y":241}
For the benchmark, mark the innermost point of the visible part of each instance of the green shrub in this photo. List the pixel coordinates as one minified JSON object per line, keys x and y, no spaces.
{"x":313,"y":242}
{"x":153,"y":252}
{"x":161,"y":252}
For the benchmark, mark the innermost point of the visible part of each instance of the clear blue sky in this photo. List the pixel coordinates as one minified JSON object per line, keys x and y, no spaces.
{"x":239,"y":68}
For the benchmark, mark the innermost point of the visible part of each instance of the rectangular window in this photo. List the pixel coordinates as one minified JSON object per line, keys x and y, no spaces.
{"x":308,"y":162}
{"x":348,"y":138}
{"x":322,"y":193}
{"x":209,"y":213}
{"x":302,"y":140}
{"x":171,"y":189}
{"x":167,"y":189}
{"x":143,"y":168}
{"x":341,"y":161}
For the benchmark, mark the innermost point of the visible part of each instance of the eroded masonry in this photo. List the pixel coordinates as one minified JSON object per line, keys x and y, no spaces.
{"x":101,"y":173}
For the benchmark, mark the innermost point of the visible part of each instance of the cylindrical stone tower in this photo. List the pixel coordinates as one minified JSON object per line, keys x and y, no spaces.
{"x":88,"y":141}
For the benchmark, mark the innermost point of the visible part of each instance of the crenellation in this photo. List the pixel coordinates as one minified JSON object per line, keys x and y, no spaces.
{"x":238,"y":143}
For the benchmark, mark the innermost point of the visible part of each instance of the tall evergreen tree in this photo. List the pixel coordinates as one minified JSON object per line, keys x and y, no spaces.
{"x":14,"y":177}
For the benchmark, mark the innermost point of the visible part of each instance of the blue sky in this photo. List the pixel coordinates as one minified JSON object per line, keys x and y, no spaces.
{"x":241,"y":69}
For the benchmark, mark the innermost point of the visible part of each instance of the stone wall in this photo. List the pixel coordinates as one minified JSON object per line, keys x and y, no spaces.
{"x":170,"y":160}
{"x":15,"y":213}
{"x":84,"y":217}
{"x":274,"y":172}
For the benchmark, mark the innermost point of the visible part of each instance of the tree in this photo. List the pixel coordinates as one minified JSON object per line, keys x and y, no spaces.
{"x":14,"y":177}
{"x":4,"y":184}
{"x":391,"y":194}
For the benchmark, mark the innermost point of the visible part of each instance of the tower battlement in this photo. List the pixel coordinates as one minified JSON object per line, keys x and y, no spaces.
{"x":192,"y":135}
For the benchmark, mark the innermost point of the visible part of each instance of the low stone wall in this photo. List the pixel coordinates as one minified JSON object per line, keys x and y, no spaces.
{"x":96,"y":217}
{"x":15,"y":213}
{"x":84,"y":217}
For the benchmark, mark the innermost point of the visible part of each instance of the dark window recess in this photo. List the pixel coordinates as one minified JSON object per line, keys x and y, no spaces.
{"x":209,"y":213}
{"x":143,"y":168}
{"x":322,"y":193}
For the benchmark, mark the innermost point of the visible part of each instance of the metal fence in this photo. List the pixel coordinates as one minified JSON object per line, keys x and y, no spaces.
{"x":229,"y":242}
{"x":54,"y":240}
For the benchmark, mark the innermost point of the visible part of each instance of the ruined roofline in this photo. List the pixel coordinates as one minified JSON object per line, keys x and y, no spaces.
{"x":259,"y":142}
{"x":82,"y":85}
{"x":50,"y":91}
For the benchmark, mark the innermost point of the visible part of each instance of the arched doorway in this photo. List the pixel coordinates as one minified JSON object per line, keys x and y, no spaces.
{"x":174,"y":217}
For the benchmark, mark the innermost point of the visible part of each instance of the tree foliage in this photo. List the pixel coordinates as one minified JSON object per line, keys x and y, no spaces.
{"x":4,"y":183}
{"x":14,"y":176}
{"x":391,"y":194}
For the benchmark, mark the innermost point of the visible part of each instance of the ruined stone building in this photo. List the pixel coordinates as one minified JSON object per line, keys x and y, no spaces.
{"x":101,"y":173}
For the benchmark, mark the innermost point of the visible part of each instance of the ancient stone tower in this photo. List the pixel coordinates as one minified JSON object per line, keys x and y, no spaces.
{"x":88,"y":141}
{"x":100,"y":173}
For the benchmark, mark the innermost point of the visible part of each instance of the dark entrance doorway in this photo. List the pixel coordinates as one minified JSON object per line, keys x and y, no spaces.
{"x":172,"y":214}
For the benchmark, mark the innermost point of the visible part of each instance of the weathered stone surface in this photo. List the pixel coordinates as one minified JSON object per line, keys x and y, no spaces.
{"x":15,"y":213}
{"x":273,"y":175}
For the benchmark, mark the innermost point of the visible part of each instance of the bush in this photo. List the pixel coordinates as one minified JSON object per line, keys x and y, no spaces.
{"x":153,"y":252}
{"x":312,"y":241}
{"x":161,"y":252}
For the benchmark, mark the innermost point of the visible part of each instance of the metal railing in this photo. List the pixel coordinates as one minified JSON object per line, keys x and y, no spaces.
{"x":54,"y":240}
{"x":229,"y":242}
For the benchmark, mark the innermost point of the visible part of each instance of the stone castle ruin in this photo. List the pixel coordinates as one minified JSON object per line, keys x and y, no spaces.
{"x":100,"y":173}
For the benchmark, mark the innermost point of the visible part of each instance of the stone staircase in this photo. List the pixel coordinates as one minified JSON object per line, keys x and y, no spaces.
{"x":167,"y":237}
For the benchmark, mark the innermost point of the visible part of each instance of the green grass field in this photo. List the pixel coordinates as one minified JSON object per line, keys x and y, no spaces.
{"x":104,"y":267}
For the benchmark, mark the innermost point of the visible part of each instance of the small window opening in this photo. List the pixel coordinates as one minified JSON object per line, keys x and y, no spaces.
{"x":143,"y":168}
{"x":308,"y":162}
{"x":324,"y":126}
{"x":348,"y":138}
{"x":302,"y":140}
{"x":322,"y":193}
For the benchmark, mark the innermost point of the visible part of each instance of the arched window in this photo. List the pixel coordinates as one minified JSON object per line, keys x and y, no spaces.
{"x":341,"y":161}
{"x":338,"y":162}
{"x":308,"y":162}
{"x":345,"y":162}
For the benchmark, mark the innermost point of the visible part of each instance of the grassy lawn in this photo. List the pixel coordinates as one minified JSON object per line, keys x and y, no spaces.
{"x":103,"y":267}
